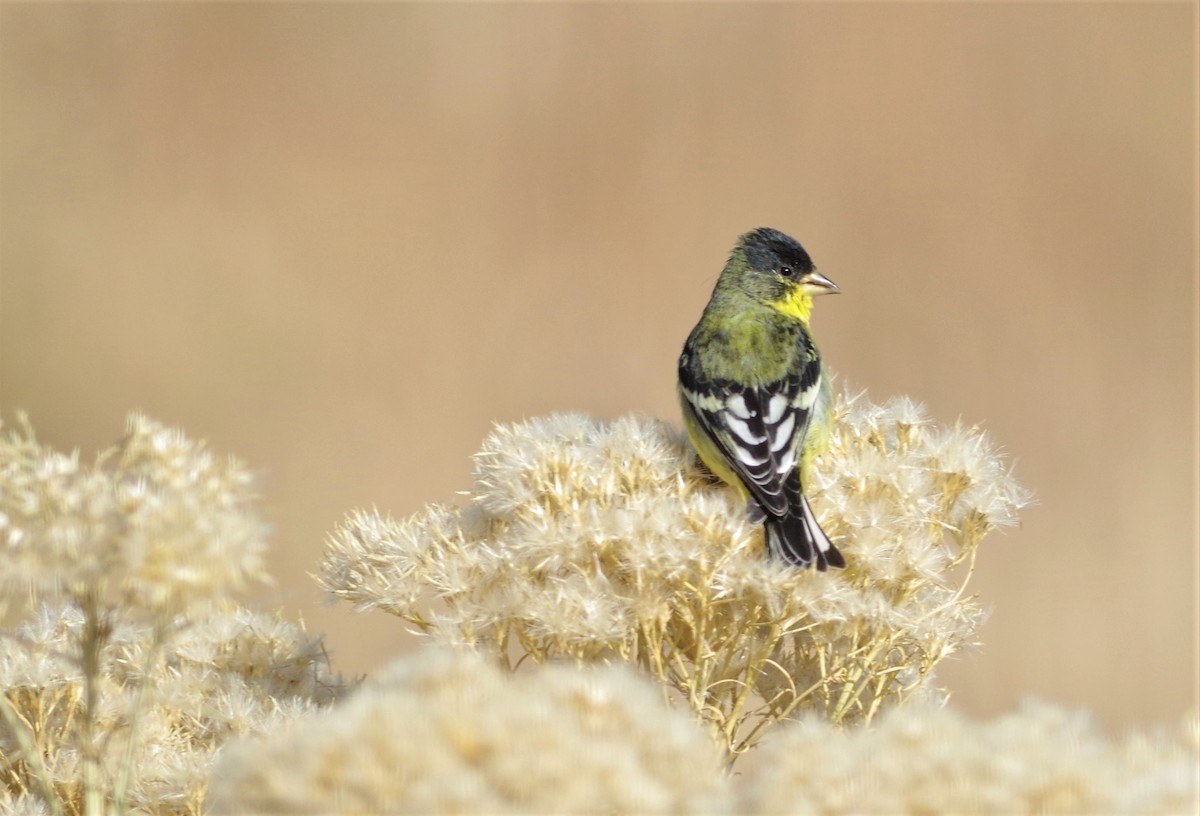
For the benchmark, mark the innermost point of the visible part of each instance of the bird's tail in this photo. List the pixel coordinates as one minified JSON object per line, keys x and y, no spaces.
{"x":799,"y":540}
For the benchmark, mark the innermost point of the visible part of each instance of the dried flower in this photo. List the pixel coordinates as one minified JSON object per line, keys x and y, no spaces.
{"x":1039,"y":759}
{"x":448,"y":732}
{"x":602,"y":542}
{"x":230,"y":675}
{"x":119,"y":690}
{"x":18,"y":805}
{"x":158,"y":526}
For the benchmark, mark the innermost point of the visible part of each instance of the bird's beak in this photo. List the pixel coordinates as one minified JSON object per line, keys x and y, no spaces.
{"x":820,"y":284}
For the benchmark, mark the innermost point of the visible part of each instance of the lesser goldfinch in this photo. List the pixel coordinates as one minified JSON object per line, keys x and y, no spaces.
{"x":755,"y":403}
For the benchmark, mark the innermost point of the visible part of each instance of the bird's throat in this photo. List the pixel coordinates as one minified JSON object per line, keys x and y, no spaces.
{"x":796,"y":304}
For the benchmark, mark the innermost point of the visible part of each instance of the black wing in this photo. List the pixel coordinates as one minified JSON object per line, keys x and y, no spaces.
{"x":760,"y":429}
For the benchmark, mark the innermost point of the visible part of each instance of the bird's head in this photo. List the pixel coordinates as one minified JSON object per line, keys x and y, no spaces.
{"x":774,"y":270}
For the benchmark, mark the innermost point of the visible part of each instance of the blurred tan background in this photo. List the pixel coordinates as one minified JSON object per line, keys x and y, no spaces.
{"x":341,"y":241}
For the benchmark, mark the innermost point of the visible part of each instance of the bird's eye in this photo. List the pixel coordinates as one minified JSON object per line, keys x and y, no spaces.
{"x":786,"y":271}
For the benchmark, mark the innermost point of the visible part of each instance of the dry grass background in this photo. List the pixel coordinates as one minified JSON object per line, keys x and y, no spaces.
{"x":342,"y":240}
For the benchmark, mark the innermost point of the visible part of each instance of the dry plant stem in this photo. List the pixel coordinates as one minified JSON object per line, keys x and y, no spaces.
{"x":95,"y":635}
{"x":858,"y":678}
{"x":23,"y":732}
{"x":125,"y":772}
{"x":769,"y":716}
{"x":755,"y":666}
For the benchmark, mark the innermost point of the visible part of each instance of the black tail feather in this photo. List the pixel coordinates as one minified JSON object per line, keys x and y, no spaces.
{"x":799,"y":540}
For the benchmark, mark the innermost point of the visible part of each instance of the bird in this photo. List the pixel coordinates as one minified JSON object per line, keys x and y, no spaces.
{"x":755,"y":401}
